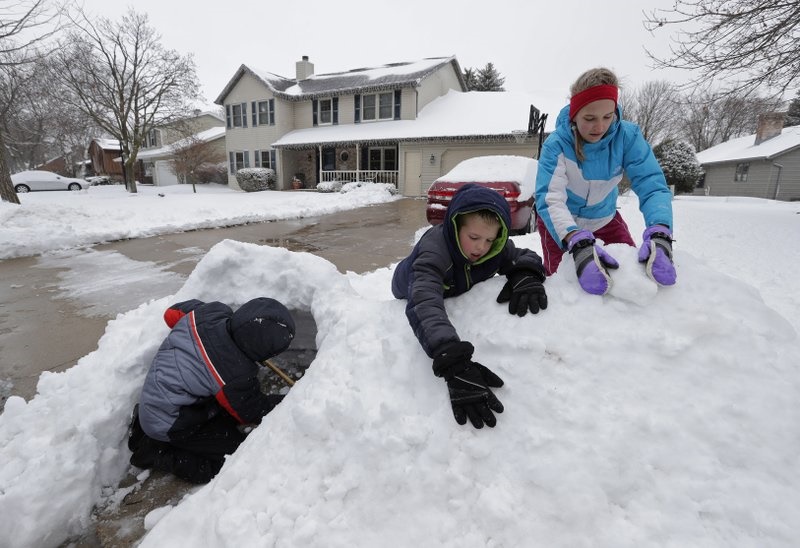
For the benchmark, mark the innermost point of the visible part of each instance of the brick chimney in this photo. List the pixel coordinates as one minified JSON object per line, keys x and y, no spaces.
{"x":770,"y":124}
{"x":304,"y":68}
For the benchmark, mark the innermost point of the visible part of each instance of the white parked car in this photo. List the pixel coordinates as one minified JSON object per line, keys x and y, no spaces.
{"x":27,"y":181}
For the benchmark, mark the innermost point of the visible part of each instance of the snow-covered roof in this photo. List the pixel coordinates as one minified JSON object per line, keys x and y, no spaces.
{"x":205,"y":136}
{"x":451,"y":116}
{"x":744,"y":148}
{"x":368,"y":79}
{"x":107,"y":144}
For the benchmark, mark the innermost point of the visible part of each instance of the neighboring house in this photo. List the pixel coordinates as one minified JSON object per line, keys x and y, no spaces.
{"x":402,"y":123}
{"x":161,"y":143}
{"x":154,"y":157}
{"x":68,"y":165}
{"x":764,"y":165}
{"x":104,"y":155}
{"x":55,"y":165}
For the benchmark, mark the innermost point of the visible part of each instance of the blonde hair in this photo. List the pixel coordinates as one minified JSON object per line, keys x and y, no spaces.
{"x":593,"y":77}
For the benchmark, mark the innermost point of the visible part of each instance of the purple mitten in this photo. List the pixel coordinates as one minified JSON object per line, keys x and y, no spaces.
{"x":656,"y":253}
{"x":591,"y":263}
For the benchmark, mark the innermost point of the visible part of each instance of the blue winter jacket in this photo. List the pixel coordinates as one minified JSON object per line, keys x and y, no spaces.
{"x":573,"y":194}
{"x":207,"y":365}
{"x":437,"y":268}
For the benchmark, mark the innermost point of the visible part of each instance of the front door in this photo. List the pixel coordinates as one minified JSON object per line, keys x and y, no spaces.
{"x":328,"y":159}
{"x":412,"y":178}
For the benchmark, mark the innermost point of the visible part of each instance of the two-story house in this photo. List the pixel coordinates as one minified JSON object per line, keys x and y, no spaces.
{"x":157,"y":153}
{"x":402,"y":123}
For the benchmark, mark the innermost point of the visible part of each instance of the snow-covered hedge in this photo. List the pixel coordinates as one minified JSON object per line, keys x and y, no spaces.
{"x":329,"y":186}
{"x":255,"y":179}
{"x":347,"y":187}
{"x":344,"y":187}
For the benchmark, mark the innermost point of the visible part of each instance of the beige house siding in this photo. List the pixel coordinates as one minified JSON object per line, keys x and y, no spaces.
{"x":250,"y":139}
{"x":447,"y":155}
{"x":179,"y":130}
{"x":408,"y":104}
{"x":764,"y":178}
{"x":436,"y":85}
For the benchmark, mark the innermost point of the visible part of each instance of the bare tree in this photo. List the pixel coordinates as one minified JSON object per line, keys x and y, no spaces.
{"x":191,"y":158}
{"x":710,"y":119}
{"x":121,"y":76}
{"x":754,"y":44}
{"x":37,"y":124}
{"x":25,"y":28}
{"x":653,"y":107}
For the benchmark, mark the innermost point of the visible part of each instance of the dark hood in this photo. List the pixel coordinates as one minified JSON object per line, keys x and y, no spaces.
{"x":262,"y":328}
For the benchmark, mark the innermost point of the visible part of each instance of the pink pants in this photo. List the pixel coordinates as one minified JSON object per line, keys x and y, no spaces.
{"x":615,"y":232}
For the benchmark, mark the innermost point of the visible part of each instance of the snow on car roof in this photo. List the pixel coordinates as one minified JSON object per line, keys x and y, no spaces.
{"x":487,"y":169}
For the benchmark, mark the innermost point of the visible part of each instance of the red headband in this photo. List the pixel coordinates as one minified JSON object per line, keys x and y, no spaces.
{"x":595,"y":93}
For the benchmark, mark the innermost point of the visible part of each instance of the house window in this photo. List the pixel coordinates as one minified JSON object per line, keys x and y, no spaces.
{"x":741,"y":173}
{"x":236,"y":115}
{"x":238,"y":160}
{"x":382,"y":159}
{"x":263,"y":113}
{"x":150,"y":139}
{"x":266,"y":158}
{"x":325,"y":114}
{"x":378,"y":106}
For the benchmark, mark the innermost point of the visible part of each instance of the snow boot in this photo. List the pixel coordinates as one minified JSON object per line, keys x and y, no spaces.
{"x":135,"y":432}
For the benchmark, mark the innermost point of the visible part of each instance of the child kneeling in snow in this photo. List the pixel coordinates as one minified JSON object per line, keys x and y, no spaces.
{"x":202,"y":388}
{"x":470,"y":246}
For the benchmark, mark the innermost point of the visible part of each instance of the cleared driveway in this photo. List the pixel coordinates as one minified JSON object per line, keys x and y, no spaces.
{"x":54,"y":309}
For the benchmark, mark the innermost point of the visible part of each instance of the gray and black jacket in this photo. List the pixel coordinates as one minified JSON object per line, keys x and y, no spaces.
{"x":208,"y":365}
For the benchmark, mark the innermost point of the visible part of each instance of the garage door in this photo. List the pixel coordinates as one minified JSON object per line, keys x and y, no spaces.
{"x":452,"y":157}
{"x":164,"y":175}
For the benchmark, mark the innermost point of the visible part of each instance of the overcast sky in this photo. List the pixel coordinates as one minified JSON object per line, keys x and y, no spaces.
{"x":535,"y":45}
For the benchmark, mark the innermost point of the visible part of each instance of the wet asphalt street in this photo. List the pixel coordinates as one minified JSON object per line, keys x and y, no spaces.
{"x":49,"y":319}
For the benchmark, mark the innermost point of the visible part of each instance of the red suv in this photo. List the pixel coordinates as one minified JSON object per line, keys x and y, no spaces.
{"x":514,"y":177}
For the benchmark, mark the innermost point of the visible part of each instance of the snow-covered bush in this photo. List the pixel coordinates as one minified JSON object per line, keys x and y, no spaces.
{"x":212,"y":173}
{"x":329,"y":186}
{"x":678,"y":160}
{"x":255,"y":179}
{"x":348,"y":187}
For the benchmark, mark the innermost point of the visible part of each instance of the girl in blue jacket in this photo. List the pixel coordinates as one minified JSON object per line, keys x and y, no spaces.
{"x":580,"y":166}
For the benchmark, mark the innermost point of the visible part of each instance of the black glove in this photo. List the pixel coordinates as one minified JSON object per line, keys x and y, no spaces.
{"x":468,"y":383}
{"x":271,"y":402}
{"x":523,"y":291}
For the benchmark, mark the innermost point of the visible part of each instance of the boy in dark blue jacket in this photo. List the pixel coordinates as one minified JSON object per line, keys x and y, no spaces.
{"x":202,"y":389}
{"x":470,"y":246}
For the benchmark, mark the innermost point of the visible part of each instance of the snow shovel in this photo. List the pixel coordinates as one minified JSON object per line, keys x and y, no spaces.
{"x":286,"y":378}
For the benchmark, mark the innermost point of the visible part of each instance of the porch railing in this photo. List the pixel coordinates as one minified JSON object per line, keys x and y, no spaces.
{"x":373,"y":176}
